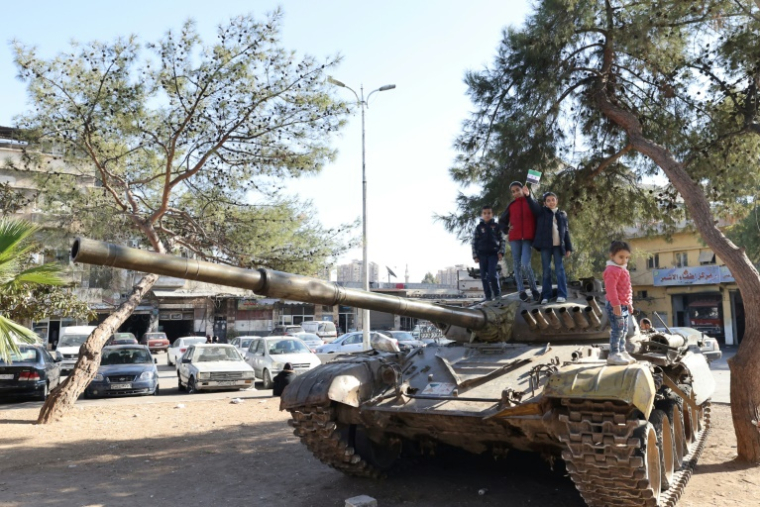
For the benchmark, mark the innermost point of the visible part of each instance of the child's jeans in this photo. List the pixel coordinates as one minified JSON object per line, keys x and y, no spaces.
{"x":618,"y":328}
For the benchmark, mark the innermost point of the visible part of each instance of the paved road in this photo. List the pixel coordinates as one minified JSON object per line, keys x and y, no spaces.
{"x":722,"y":376}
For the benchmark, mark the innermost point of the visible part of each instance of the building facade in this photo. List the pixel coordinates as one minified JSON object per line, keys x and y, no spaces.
{"x":352,"y":272}
{"x":686,"y":284}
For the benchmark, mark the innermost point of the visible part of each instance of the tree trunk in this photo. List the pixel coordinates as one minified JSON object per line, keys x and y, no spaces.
{"x":745,"y":366}
{"x":62,"y":399}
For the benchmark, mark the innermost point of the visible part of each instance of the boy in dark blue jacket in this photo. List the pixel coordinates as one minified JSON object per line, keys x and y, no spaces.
{"x":553,"y":241}
{"x":488,"y":249}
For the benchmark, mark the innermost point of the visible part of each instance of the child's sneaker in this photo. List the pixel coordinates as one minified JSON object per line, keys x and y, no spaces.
{"x":618,"y":359}
{"x":561,"y":300}
{"x":628,"y":356}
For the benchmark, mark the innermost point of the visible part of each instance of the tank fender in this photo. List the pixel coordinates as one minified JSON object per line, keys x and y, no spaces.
{"x":349,"y":382}
{"x":632,"y":384}
{"x":703,"y":382}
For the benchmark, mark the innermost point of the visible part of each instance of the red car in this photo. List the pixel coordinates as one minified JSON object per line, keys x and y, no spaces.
{"x":155,"y":341}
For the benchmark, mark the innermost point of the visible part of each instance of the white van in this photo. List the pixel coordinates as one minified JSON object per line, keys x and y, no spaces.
{"x":324,"y":329}
{"x":69,"y":341}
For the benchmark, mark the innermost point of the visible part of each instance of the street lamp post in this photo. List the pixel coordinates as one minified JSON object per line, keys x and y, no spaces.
{"x":365,"y":263}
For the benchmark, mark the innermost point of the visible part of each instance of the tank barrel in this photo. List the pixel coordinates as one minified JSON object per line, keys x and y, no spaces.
{"x":270,"y":283}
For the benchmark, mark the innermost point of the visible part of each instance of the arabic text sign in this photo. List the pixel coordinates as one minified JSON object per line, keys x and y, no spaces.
{"x":696,"y":275}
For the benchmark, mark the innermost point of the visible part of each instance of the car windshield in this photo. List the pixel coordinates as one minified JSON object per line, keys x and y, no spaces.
{"x":210,"y":354}
{"x":24,"y":355}
{"x":155,"y":336}
{"x":126,"y":356}
{"x":403,"y":336}
{"x":124,"y":336}
{"x":286,"y":346}
{"x":245,"y":343}
{"x":72,"y":340}
{"x":309,"y":337}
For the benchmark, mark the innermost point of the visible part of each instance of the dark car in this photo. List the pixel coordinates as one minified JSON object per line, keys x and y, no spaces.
{"x":31,"y":373}
{"x":122,"y":339}
{"x":155,"y":341}
{"x":406,"y":340}
{"x":125,"y":370}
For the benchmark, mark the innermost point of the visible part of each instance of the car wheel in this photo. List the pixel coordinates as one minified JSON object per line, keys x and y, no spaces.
{"x":168,"y":359}
{"x":268,"y":384}
{"x":155,"y":393}
{"x":180,"y":387}
{"x":191,"y":387}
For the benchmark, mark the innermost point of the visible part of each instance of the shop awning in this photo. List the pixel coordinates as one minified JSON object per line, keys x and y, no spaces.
{"x":704,"y":303}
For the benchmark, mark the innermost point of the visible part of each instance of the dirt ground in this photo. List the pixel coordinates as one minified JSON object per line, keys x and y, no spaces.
{"x":216,"y":453}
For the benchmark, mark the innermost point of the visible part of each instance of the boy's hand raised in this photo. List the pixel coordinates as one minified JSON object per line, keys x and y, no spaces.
{"x":526,"y":191}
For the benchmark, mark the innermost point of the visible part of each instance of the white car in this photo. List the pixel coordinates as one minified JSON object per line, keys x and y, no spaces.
{"x":346,"y":344}
{"x":213,"y":367}
{"x":311,"y":340}
{"x":71,"y":338}
{"x":180,"y":346}
{"x":268,"y":356}
{"x":242,"y":343}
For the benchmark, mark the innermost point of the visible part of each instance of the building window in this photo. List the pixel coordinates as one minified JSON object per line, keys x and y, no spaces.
{"x":706,"y":257}
{"x":641,"y":294}
{"x":682,"y":260}
{"x":653,"y":262}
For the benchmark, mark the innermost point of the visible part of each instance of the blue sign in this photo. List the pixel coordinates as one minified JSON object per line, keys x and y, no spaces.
{"x":696,"y":275}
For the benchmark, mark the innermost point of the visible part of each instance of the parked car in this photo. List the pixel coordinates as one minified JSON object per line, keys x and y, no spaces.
{"x":242,"y":343}
{"x":348,"y":343}
{"x":268,"y":356}
{"x":31,"y":373}
{"x":180,"y":346}
{"x":155,"y":341}
{"x":69,"y":341}
{"x":287,"y":329}
{"x":324,"y":329}
{"x":125,"y":370}
{"x":213,"y":367}
{"x":311,"y":340}
{"x":708,"y":345}
{"x":122,"y":339}
{"x":406,"y":342}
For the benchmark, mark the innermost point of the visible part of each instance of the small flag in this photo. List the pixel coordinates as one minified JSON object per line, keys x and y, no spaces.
{"x":534,"y":177}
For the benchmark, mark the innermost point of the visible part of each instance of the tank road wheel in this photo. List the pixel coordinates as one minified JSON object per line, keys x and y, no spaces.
{"x":671,"y":409}
{"x":342,"y":446}
{"x":611,"y":454}
{"x":665,"y":440}
{"x":689,"y":417}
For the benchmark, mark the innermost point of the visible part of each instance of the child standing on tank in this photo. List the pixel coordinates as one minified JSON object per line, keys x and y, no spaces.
{"x":519,"y":222}
{"x":487,"y":250}
{"x":617,"y":283}
{"x":552,"y":241}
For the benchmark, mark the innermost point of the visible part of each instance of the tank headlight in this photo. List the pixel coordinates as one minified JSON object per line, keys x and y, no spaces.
{"x":204,"y":375}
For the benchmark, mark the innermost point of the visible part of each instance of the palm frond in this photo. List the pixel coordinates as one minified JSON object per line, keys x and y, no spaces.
{"x":46,"y":274}
{"x":13,"y":233}
{"x":9,"y":333}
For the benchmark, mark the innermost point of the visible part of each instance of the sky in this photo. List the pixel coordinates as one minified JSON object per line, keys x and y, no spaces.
{"x":424,"y":47}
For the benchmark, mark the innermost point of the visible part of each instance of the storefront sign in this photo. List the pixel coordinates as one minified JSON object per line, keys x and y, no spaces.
{"x":696,"y":275}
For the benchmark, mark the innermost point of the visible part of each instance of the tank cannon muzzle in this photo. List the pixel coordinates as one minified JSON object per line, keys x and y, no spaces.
{"x":272,"y":283}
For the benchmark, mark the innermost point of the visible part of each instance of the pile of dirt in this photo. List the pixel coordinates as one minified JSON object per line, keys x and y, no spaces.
{"x":219,"y":453}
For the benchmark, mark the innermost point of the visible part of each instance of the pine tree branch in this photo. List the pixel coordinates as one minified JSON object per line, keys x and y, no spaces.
{"x":609,"y":160}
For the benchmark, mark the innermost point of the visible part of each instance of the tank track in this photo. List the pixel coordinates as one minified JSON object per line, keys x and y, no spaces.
{"x":318,"y":430}
{"x":601,"y":456}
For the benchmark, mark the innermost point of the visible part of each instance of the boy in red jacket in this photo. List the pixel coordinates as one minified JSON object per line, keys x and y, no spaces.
{"x":617,"y":282}
{"x":519,"y":222}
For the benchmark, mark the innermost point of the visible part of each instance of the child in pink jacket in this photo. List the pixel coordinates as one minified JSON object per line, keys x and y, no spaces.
{"x":617,"y":282}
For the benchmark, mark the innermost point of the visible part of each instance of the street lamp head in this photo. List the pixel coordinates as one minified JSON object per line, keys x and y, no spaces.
{"x":387,"y":87}
{"x":334,"y":81}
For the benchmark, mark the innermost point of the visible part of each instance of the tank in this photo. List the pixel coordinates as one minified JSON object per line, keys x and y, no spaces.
{"x":517,"y":375}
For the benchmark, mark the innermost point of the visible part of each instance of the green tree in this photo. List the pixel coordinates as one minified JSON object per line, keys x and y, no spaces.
{"x":601,"y":94}
{"x":18,"y":281}
{"x":430,"y":278}
{"x":180,"y":137}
